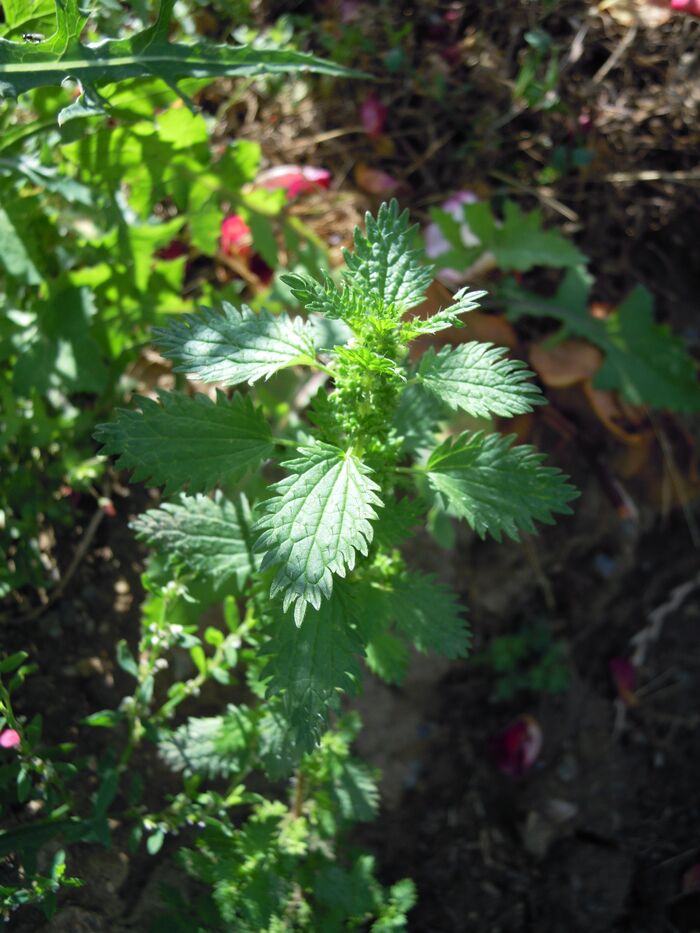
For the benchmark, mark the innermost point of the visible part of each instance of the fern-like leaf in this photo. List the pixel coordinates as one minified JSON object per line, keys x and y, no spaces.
{"x":187,"y":441}
{"x":208,"y":538}
{"x":464,"y":302}
{"x":327,"y":298}
{"x":496,"y":487}
{"x":386,"y":267}
{"x":313,"y":526}
{"x":476,"y":378}
{"x":236,"y":345}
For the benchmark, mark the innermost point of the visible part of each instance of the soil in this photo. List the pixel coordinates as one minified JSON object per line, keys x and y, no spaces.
{"x":597,"y":836}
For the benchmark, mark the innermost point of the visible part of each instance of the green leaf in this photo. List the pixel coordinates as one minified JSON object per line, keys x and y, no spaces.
{"x":126,"y":660}
{"x":207,"y":538}
{"x":428,"y":613}
{"x":417,"y":418}
{"x":28,"y":16}
{"x":25,"y":65}
{"x":187,"y":441}
{"x":236,"y":345}
{"x":518,"y":242}
{"x":521,"y":244}
{"x":213,"y":746}
{"x":15,"y":246}
{"x":12,"y":662}
{"x":315,"y":523}
{"x":464,"y":302}
{"x":355,"y":790}
{"x":476,"y":378}
{"x":309,"y":665}
{"x":386,"y":268}
{"x":387,"y":657}
{"x":326,"y":298}
{"x":495,"y":486}
{"x":644,"y":361}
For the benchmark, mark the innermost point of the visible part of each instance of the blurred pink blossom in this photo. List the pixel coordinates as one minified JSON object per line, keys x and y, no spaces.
{"x":9,"y":738}
{"x":295,"y":179}
{"x":692,"y":7}
{"x":373,"y":114}
{"x":436,"y":244}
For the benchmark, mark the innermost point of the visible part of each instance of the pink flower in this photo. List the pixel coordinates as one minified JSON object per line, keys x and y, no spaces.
{"x":517,"y":748}
{"x":373,"y":114}
{"x":624,"y":676}
{"x":692,"y":7}
{"x":9,"y":738}
{"x":295,"y":179}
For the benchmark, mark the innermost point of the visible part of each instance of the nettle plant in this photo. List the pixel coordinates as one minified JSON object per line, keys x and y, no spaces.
{"x":311,"y":561}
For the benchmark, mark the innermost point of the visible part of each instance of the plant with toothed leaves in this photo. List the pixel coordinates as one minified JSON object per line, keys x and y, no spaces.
{"x":314,"y":557}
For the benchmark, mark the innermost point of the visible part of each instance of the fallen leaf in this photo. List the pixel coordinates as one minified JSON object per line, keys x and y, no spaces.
{"x":627,"y":422}
{"x":375,"y":181}
{"x":565,"y":363}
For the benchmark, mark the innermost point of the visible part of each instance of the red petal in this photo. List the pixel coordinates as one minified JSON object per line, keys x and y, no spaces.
{"x":236,"y":236}
{"x":517,"y":748}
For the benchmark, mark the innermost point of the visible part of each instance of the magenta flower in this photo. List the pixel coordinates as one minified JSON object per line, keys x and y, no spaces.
{"x":9,"y":738}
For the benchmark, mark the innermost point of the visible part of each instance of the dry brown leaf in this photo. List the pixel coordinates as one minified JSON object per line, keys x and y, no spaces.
{"x":629,"y":423}
{"x":565,"y":363}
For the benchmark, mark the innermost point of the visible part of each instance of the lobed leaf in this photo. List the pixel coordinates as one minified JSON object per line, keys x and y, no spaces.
{"x":316,"y":522}
{"x":208,"y":538}
{"x":25,"y":65}
{"x":185,"y":441}
{"x":644,"y":361}
{"x":476,"y":378}
{"x":236,"y":345}
{"x":497,"y":487}
{"x":386,"y":267}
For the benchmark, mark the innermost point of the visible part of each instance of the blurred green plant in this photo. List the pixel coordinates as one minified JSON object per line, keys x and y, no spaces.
{"x":531,"y":659}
